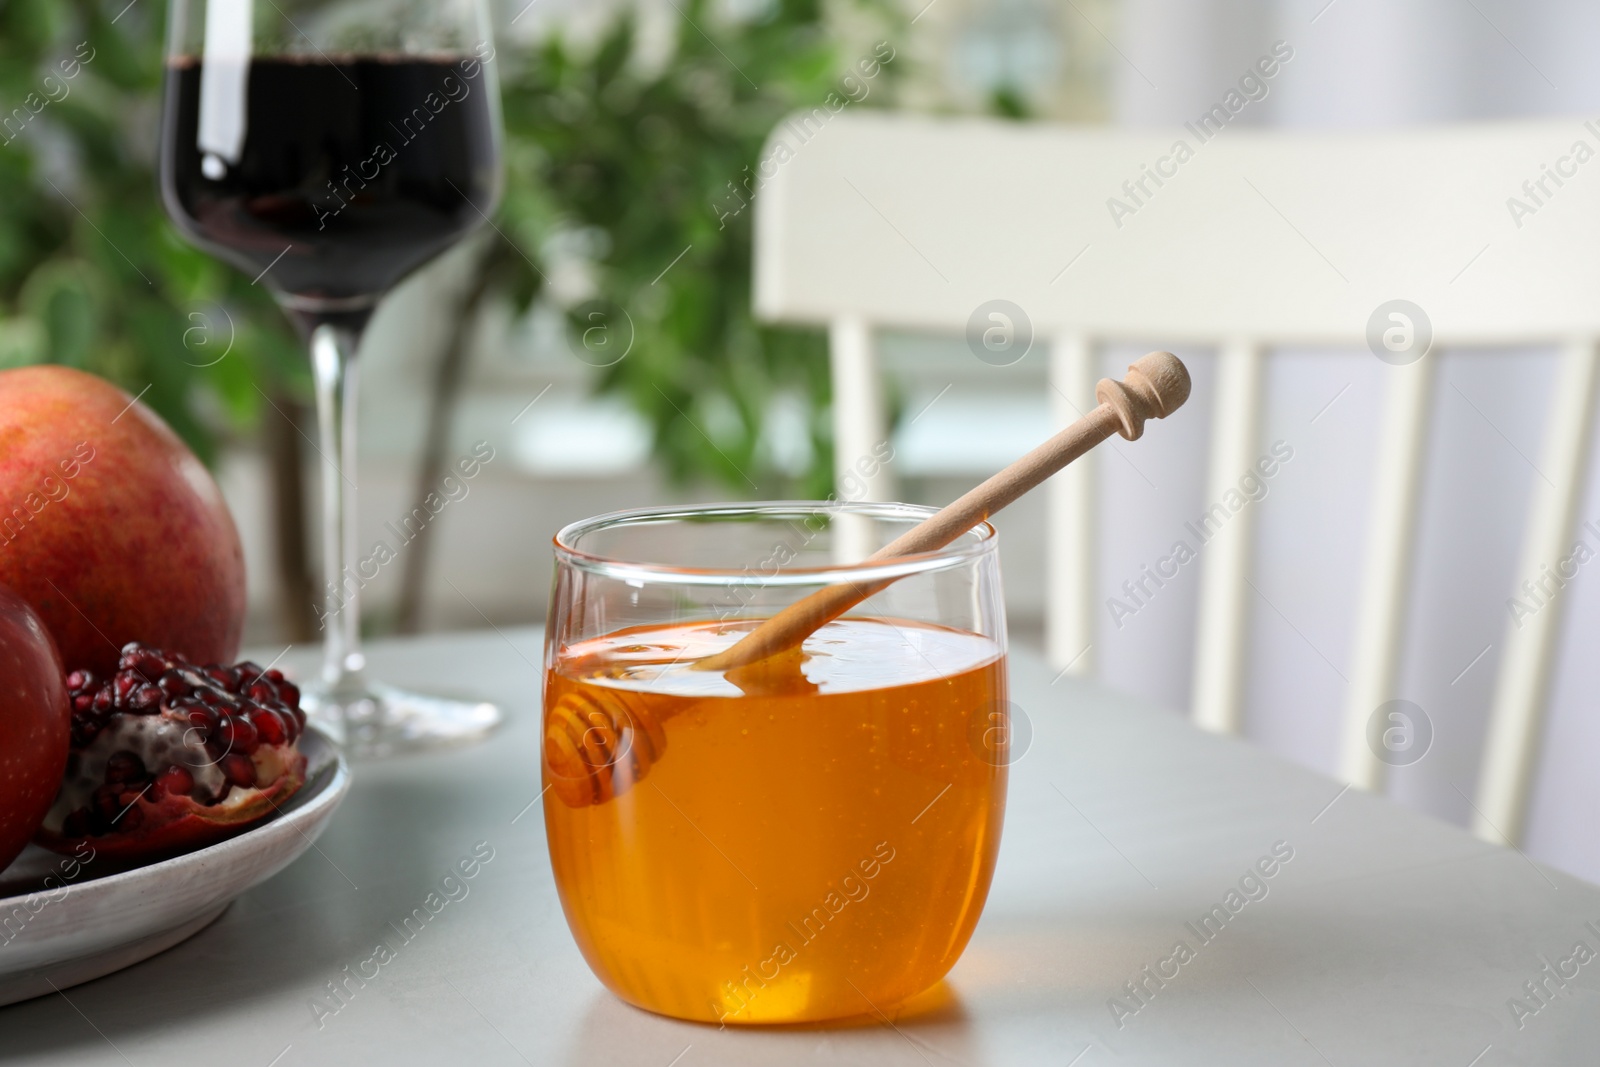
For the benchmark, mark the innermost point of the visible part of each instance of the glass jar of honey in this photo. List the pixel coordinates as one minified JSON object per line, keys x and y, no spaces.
{"x":807,"y":837}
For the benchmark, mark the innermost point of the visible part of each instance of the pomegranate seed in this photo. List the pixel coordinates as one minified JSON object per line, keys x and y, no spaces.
{"x":261,"y":692}
{"x":213,"y":697}
{"x":145,"y":661}
{"x":175,"y":781}
{"x":124,"y":683}
{"x":291,"y":729}
{"x":102,"y":699}
{"x":248,"y":671}
{"x":173,"y":683}
{"x":222,"y":676}
{"x":198,"y":710}
{"x":238,"y":735}
{"x":289,"y":693}
{"x":269,"y":725}
{"x":145,"y":699}
{"x":274,"y":675}
{"x":82,"y":702}
{"x":79,"y":680}
{"x":238,"y":769}
{"x":124,"y":766}
{"x":204,"y":720}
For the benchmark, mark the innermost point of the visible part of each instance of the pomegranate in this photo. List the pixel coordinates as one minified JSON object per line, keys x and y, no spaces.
{"x":168,"y":756}
{"x":34,"y":723}
{"x":109,"y":526}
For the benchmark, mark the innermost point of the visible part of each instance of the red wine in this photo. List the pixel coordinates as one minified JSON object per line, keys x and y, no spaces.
{"x":332,"y":179}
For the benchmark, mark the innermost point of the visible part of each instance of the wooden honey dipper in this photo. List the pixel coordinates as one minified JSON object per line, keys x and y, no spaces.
{"x":596,"y":749}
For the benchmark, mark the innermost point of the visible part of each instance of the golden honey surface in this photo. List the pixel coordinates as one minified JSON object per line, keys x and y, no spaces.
{"x":812,"y":844}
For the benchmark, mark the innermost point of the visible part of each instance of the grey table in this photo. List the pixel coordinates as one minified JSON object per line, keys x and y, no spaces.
{"x":1387,"y":938}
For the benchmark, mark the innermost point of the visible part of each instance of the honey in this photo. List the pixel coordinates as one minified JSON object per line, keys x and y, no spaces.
{"x":802,"y":844}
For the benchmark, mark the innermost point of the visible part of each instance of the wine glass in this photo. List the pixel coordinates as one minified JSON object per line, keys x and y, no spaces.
{"x":328,"y":148}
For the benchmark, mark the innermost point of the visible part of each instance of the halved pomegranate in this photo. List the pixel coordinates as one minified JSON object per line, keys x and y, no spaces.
{"x":168,"y":757}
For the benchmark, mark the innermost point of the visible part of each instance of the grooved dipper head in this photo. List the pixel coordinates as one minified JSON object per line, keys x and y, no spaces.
{"x":1156,"y":386}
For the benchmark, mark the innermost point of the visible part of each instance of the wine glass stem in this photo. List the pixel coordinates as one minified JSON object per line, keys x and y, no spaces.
{"x":333,"y":363}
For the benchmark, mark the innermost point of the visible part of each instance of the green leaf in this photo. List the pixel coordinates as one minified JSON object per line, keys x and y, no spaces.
{"x":22,"y":343}
{"x":57,"y":298}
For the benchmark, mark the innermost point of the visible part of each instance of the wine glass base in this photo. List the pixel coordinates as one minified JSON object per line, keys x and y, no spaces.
{"x":381,"y":720}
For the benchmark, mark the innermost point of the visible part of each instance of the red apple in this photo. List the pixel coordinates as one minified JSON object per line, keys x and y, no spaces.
{"x":35,"y":724}
{"x":109,"y":526}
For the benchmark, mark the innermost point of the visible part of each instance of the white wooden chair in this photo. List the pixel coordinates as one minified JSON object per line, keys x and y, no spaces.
{"x":894,"y":221}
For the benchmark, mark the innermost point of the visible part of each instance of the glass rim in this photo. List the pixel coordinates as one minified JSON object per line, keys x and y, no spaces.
{"x":979,"y":541}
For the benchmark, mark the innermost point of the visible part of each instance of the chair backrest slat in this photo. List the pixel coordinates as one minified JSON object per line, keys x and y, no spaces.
{"x":859,"y":417}
{"x":1069,"y":565}
{"x":913,"y":222}
{"x":1512,"y":746}
{"x":1385,"y":580}
{"x":1227,"y":596}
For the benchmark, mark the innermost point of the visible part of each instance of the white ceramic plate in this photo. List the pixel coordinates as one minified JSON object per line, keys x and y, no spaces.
{"x":58,"y":933}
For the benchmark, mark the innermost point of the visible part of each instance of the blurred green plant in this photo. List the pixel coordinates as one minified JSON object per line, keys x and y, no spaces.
{"x":641,"y":169}
{"x":647,"y":166}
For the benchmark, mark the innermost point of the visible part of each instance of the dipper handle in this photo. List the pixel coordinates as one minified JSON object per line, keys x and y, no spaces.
{"x":1156,"y":385}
